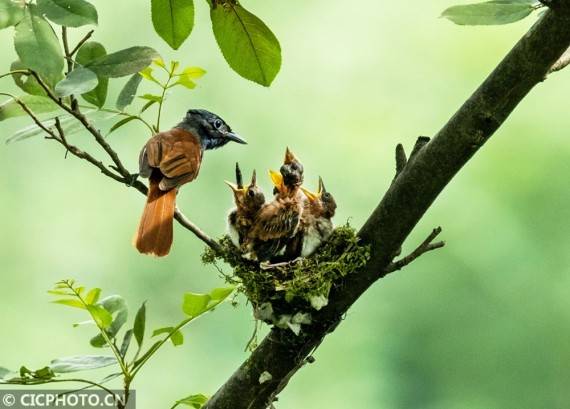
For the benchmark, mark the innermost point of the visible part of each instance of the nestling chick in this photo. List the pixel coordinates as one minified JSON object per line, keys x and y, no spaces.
{"x":291,"y":170}
{"x":316,"y":223}
{"x":276,"y":222}
{"x":248,"y":201}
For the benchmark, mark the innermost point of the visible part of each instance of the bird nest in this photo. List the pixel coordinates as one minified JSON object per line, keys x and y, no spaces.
{"x":286,"y":294}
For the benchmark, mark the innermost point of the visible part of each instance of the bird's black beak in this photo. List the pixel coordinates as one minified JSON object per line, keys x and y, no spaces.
{"x":235,"y":137}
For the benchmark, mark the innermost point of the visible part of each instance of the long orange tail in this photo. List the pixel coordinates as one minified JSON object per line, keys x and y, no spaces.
{"x":154,"y":235}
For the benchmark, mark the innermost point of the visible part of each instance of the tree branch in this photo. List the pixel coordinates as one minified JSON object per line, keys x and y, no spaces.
{"x":282,"y":353}
{"x":123,"y":176}
{"x":427,"y":245}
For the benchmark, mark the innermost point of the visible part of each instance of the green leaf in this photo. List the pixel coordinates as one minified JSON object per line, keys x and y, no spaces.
{"x":248,"y":45}
{"x":11,"y":12}
{"x":195,"y":304}
{"x":44,"y":373}
{"x":185,"y":82}
{"x":147,"y":106}
{"x":151,"y":97}
{"x":489,"y":13}
{"x":3,"y":371}
{"x":79,"y":81}
{"x":128,"y":92}
{"x":101,"y":316}
{"x":124,"y":62}
{"x":113,"y":304}
{"x":193,"y":72}
{"x":69,"y":125}
{"x":37,"y":105}
{"x":70,"y":13}
{"x":126,"y":342}
{"x":176,"y":337}
{"x":70,"y":303}
{"x":89,"y":52}
{"x":81,"y":363}
{"x":194,"y":401}
{"x":220,"y":294}
{"x":27,"y":83}
{"x":38,"y":47}
{"x":173,"y":20}
{"x":140,"y":324}
{"x":147,"y":75}
{"x":92,"y":296}
{"x":119,"y":124}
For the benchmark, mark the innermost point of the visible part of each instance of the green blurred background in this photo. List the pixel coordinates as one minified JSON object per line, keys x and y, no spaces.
{"x":483,"y":323}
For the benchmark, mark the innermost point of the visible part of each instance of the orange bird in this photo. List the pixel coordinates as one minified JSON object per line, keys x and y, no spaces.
{"x":170,"y":159}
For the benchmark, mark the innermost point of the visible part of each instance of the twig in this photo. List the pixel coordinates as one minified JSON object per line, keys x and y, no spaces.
{"x":401,"y":159}
{"x":100,"y":139}
{"x":81,"y":42}
{"x":184,"y":221}
{"x":561,"y":63}
{"x":427,"y":245}
{"x":420,"y":143}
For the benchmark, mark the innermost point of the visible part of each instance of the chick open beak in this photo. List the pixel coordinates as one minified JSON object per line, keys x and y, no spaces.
{"x":235,"y":188}
{"x":235,"y":137}
{"x":310,"y":195}
{"x":277,"y":179}
{"x":289,"y":157}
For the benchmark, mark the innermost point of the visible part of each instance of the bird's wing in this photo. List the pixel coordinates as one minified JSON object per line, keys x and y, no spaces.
{"x":276,"y":220}
{"x":176,"y":153}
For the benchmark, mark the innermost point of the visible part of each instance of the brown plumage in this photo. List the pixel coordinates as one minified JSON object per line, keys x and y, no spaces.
{"x":276,"y":222}
{"x":170,"y":159}
{"x":248,"y":200}
{"x":316,"y":222}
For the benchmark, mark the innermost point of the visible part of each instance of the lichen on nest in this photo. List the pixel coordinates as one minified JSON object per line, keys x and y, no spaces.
{"x":297,"y":287}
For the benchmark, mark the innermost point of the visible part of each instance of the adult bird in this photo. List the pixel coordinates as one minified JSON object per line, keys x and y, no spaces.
{"x":170,"y":159}
{"x":248,"y":200}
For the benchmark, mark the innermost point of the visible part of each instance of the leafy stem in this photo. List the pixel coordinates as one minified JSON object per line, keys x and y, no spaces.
{"x":137,"y":365}
{"x":165,"y":87}
{"x":120,"y":360}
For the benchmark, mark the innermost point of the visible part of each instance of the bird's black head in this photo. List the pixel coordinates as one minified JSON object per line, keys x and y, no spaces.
{"x":212,"y":130}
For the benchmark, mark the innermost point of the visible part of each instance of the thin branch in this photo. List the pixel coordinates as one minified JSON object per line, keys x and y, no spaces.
{"x":124,"y":175}
{"x":100,"y":139}
{"x":184,"y":221}
{"x":81,"y":42}
{"x":427,"y":245}
{"x":66,"y":49}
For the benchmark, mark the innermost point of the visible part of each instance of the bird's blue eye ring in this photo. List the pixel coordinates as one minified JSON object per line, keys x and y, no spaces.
{"x":217,"y":124}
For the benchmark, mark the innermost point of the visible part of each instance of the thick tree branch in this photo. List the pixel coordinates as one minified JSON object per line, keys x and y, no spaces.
{"x":282,"y":353}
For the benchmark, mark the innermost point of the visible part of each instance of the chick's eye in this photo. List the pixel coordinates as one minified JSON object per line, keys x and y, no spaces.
{"x":250,"y":193}
{"x":217,"y":124}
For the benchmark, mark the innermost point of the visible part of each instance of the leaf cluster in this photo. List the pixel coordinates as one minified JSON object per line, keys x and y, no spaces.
{"x":247,"y":44}
{"x":109,"y":315}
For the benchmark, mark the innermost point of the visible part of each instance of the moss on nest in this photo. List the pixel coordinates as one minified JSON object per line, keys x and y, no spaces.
{"x":298,"y":286}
